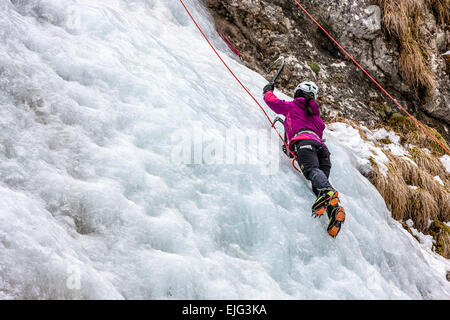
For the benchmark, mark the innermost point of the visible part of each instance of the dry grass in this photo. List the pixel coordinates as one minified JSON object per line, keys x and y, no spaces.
{"x":409,"y":188}
{"x":414,"y":64}
{"x":399,"y":16}
{"x":430,"y":200}
{"x":441,"y":9}
{"x":411,"y":133}
{"x":392,"y":190}
{"x":425,"y":160}
{"x":402,"y":19}
{"x":441,"y":234}
{"x":427,"y":201}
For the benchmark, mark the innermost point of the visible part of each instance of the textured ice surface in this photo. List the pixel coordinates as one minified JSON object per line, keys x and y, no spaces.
{"x":91,"y":96}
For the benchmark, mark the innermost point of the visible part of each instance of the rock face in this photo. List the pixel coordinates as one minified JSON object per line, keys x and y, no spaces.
{"x":262,"y":30}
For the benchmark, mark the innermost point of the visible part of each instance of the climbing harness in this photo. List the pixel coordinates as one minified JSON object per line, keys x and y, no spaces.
{"x":302,"y":131}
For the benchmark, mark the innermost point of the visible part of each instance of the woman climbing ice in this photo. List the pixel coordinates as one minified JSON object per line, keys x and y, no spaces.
{"x":304,"y":130}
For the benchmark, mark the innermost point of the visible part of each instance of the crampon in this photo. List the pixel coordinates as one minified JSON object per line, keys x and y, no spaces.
{"x":326,"y":199}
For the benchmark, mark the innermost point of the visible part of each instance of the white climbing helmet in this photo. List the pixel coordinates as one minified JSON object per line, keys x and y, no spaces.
{"x":308,"y":87}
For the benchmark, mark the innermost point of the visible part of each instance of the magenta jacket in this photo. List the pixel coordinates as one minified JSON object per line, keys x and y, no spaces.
{"x":296,"y":117}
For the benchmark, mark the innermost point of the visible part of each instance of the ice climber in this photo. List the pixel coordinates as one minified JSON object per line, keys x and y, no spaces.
{"x":304,"y":130}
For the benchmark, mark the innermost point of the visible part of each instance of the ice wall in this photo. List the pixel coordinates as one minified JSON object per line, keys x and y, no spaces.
{"x":95,"y":97}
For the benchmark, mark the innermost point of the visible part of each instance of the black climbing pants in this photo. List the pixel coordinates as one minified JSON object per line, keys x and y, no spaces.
{"x":314,"y":161}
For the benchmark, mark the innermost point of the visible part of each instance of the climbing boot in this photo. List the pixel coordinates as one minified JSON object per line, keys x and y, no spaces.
{"x":337,"y":218}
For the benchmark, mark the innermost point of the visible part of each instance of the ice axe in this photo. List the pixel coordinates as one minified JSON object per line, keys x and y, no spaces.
{"x":279,"y":63}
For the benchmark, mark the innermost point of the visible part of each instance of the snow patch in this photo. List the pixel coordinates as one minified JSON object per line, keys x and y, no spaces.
{"x":364,"y":152}
{"x":426,"y":240}
{"x":390,"y":141}
{"x":446,"y":162}
{"x":339,"y":65}
{"x":439,"y":180}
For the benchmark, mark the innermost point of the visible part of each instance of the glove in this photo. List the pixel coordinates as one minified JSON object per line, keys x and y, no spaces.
{"x":269,"y":87}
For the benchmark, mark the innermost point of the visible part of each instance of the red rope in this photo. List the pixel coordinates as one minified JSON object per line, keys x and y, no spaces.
{"x":239,"y":81}
{"x":395,"y":101}
{"x":229,"y":44}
